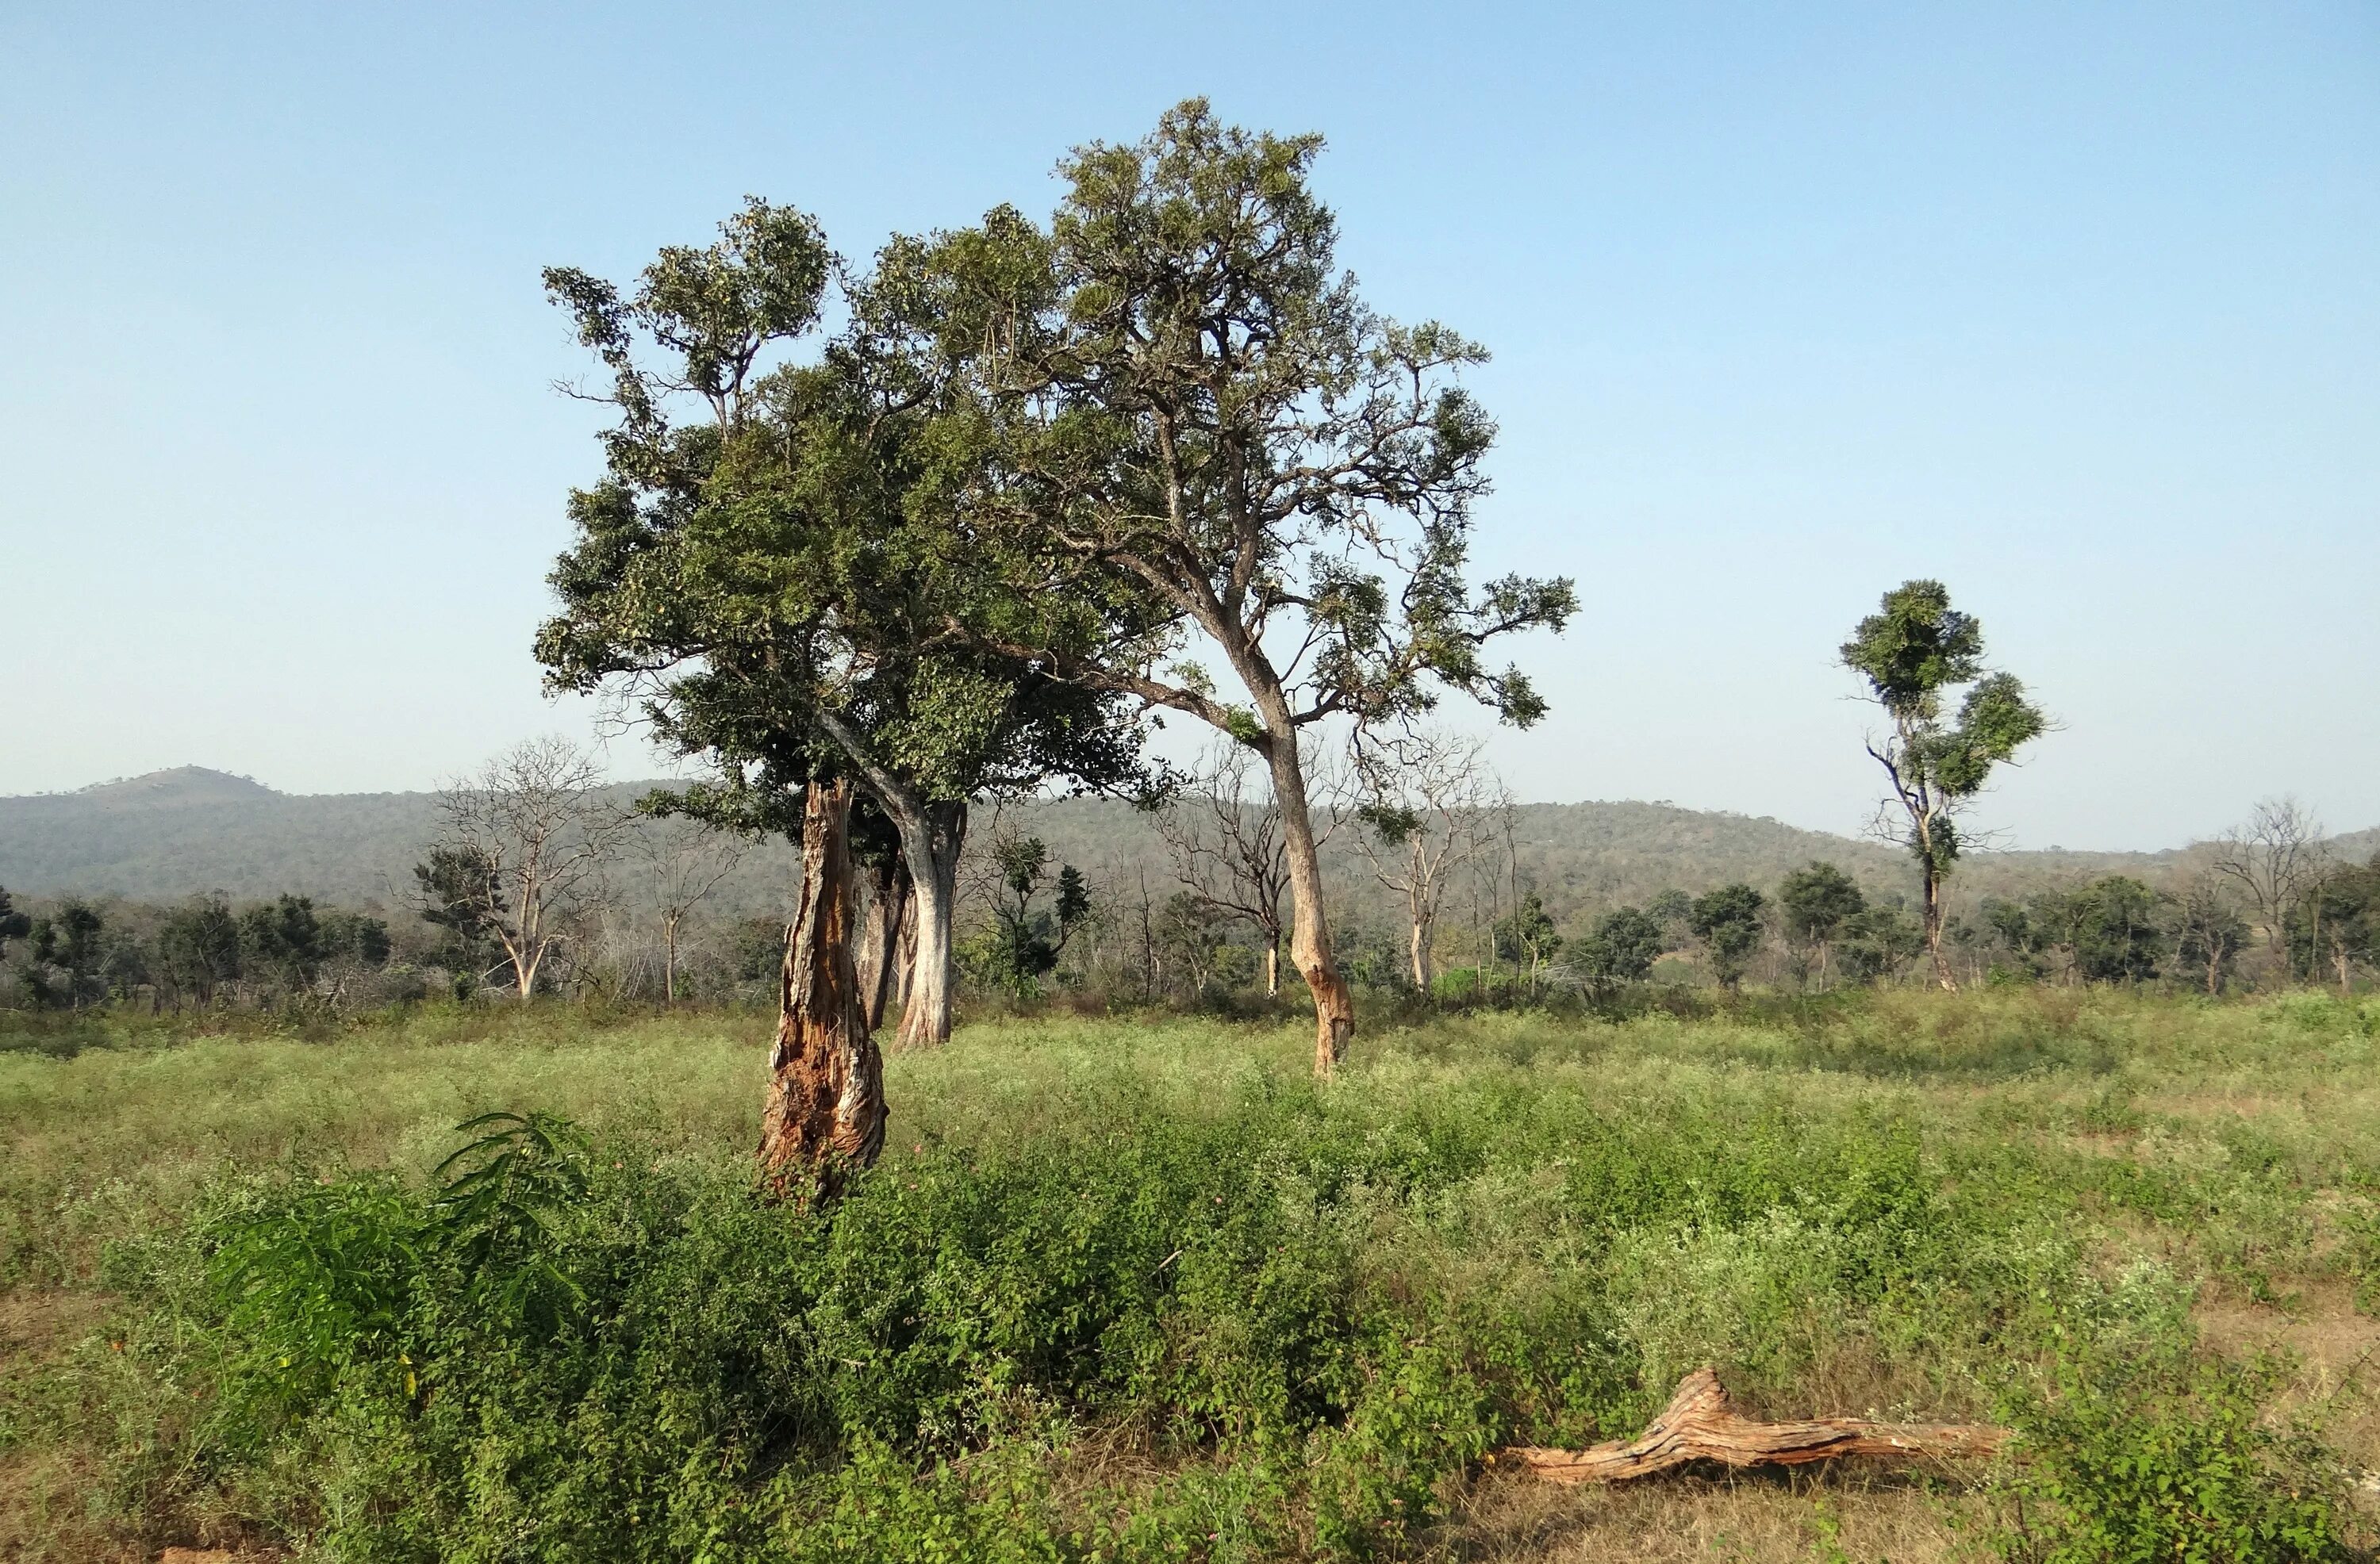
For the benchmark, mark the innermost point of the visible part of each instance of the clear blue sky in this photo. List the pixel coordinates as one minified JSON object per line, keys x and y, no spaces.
{"x":2076,"y":307}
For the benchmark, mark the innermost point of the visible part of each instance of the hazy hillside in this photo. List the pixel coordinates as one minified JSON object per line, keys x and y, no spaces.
{"x":170,"y":834}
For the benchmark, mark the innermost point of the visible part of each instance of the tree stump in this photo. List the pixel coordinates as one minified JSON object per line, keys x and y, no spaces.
{"x":1701,"y":1423}
{"x":825,"y":1110}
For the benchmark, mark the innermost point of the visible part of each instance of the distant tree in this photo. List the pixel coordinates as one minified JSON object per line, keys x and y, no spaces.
{"x":2117,"y":934}
{"x":14,"y":924}
{"x":1223,"y":833}
{"x":524,"y":844}
{"x":1623,"y":947}
{"x":67,"y":942}
{"x":1673,"y":910}
{"x":282,"y":941}
{"x":2273,"y":857}
{"x":1878,"y":943}
{"x":1815,"y":903}
{"x":1526,"y":935}
{"x":198,"y":949}
{"x":1180,"y":399}
{"x":1431,"y":805}
{"x":1728,"y":922}
{"x":356,"y":937}
{"x":1911,"y":652}
{"x":1026,"y":941}
{"x":681,"y":862}
{"x":450,"y":891}
{"x":2208,"y":930}
{"x":2013,"y":929}
{"x":2337,"y":922}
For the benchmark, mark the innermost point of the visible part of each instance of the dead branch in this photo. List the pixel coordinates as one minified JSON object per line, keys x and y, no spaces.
{"x":1701,"y":1423}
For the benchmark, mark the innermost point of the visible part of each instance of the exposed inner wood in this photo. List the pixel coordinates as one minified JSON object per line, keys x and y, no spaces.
{"x":1701,"y":1423}
{"x":825,"y":1111}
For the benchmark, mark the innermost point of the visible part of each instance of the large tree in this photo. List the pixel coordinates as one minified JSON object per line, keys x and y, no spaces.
{"x":749,"y":567}
{"x":1913,"y":652}
{"x":1177,"y":397}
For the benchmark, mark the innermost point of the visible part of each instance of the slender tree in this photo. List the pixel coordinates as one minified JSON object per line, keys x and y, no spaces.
{"x":1430,"y":807}
{"x":1912,"y":652}
{"x":1177,"y":399}
{"x":681,"y":862}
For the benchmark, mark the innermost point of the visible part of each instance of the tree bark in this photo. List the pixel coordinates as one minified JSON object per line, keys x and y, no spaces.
{"x":1418,"y":951}
{"x":1309,"y":943}
{"x":825,"y":1110}
{"x":931,"y":836}
{"x":1931,"y":913}
{"x":1701,"y":1423}
{"x":880,"y":935}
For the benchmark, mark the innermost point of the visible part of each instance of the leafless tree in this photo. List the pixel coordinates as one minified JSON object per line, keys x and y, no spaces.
{"x":1432,"y":805}
{"x":681,"y":862}
{"x":532,"y":835}
{"x":1223,"y":834}
{"x":2273,"y":857}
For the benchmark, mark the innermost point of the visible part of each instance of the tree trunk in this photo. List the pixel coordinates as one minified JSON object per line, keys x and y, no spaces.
{"x":825,"y":1110}
{"x":905,"y":954}
{"x":930,"y":839}
{"x":1309,"y":943}
{"x":669,"y":958}
{"x":880,"y":935}
{"x":1418,"y":952}
{"x":1932,"y":914}
{"x":1273,"y":963}
{"x":1701,"y":1423}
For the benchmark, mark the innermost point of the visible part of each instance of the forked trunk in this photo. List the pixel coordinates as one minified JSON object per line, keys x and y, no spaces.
{"x":880,"y":935}
{"x":1309,"y":942}
{"x":825,"y":1110}
{"x":930,"y":839}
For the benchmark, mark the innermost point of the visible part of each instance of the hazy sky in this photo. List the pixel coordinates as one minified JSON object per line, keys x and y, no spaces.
{"x":2076,"y":307}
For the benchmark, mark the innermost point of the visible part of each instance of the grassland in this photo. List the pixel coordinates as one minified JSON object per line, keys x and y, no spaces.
{"x":1135,"y":1288}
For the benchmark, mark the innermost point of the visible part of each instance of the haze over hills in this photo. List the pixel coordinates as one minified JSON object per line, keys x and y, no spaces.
{"x":170,"y":834}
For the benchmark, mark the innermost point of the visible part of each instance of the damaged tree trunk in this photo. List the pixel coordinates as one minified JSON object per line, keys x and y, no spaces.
{"x":1701,"y":1423}
{"x":825,"y":1111}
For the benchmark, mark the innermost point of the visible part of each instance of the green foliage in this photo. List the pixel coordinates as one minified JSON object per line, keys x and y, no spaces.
{"x":1878,"y":942}
{"x":1623,"y":947}
{"x":1911,"y":652}
{"x":14,"y":924}
{"x":1025,"y":942}
{"x":1816,"y":901}
{"x":1301,"y":1314}
{"x":1526,"y":934}
{"x":1728,"y":922}
{"x":2140,"y":1450}
{"x":199,"y":948}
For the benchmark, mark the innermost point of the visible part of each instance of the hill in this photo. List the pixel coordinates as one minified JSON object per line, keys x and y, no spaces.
{"x":170,"y":834}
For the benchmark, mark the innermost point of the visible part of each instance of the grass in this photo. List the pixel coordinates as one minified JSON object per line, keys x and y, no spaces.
{"x":1134,"y":1288}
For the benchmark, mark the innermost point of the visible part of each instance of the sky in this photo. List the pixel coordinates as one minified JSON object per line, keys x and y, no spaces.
{"x":2076,"y":308}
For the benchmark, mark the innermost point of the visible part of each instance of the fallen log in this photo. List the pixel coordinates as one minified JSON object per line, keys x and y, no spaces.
{"x":1701,"y":1423}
